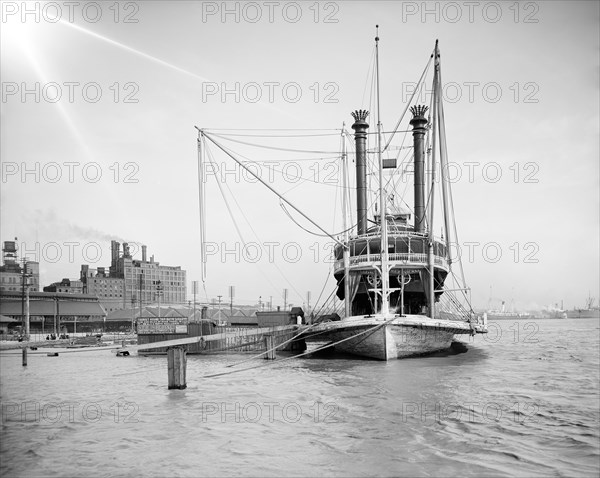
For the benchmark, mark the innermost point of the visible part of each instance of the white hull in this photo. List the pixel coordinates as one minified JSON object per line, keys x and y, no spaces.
{"x":390,"y":337}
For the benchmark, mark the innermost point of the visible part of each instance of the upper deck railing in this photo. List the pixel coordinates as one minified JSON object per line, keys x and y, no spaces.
{"x":414,"y":259}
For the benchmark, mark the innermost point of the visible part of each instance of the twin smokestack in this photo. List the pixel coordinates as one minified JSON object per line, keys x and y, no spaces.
{"x":360,"y":127}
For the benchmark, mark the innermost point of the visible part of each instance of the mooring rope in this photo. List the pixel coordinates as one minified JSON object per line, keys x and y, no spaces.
{"x":372,"y":329}
{"x":270,"y":350}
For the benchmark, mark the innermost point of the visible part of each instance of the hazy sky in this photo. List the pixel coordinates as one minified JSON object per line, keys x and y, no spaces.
{"x":100,"y":100}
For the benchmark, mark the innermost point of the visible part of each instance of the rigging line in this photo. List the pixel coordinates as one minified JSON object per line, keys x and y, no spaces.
{"x":331,"y":158}
{"x":300,"y":178}
{"x":201,"y":207}
{"x":417,"y":89}
{"x":371,"y":330}
{"x":240,"y":233}
{"x":341,"y":149}
{"x":349,"y":141}
{"x":226,"y":202}
{"x":449,"y":185}
{"x":268,"y":129}
{"x":323,"y":289}
{"x":262,"y":354}
{"x":303,"y":228}
{"x":369,"y":73}
{"x":402,"y":175}
{"x":431,"y":149}
{"x":271,"y":189}
{"x":405,"y":156}
{"x":409,"y":101}
{"x":261,"y":243}
{"x":273,"y":147}
{"x":253,"y":231}
{"x":278,"y":135}
{"x":320,"y":308}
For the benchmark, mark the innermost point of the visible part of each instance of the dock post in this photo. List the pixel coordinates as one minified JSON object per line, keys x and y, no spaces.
{"x":270,"y":347}
{"x":176,"y":366}
{"x":24,"y":356}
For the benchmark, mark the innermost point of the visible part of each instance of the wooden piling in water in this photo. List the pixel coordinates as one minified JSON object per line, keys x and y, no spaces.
{"x":176,"y":365}
{"x":24,"y":356}
{"x":270,"y":347}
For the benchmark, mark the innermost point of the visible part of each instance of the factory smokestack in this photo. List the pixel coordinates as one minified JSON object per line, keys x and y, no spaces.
{"x":360,"y":127}
{"x":419,"y":124}
{"x":114,"y":253}
{"x":143,"y":253}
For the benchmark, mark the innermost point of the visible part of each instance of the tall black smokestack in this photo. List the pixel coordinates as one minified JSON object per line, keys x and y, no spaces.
{"x":360,"y":127}
{"x":419,"y":124}
{"x":114,"y":253}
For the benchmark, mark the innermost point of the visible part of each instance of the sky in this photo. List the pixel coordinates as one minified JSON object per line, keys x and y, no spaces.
{"x":98,"y":141}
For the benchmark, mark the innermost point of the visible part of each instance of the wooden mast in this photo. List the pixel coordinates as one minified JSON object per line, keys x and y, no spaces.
{"x":431,"y":258}
{"x":345,"y":248}
{"x":385,"y":306}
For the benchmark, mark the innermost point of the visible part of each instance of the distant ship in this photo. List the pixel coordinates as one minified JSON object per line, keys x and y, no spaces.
{"x":553,"y":313}
{"x":503,"y":314}
{"x":588,"y":312}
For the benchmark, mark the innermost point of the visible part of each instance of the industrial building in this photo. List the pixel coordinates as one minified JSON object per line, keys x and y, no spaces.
{"x":54,"y":312}
{"x":129,"y":281}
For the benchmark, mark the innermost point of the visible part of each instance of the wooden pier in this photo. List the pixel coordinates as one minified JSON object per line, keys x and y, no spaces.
{"x":279,"y":332}
{"x":177,"y":353}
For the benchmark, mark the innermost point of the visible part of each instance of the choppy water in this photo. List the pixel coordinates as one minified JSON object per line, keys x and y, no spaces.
{"x":522,"y":402}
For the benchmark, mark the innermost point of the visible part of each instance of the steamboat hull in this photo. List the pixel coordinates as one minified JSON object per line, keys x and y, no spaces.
{"x":388,"y":339}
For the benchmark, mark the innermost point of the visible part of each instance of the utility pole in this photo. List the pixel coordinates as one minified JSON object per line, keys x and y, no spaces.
{"x":195,"y":290}
{"x":158,"y":293}
{"x":133,"y":302}
{"x":141,"y":296}
{"x":219,"y":309}
{"x":27,"y":306}
{"x":25,"y":300}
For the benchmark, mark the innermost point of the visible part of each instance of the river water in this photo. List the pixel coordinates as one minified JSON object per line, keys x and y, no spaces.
{"x":523,"y":401}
